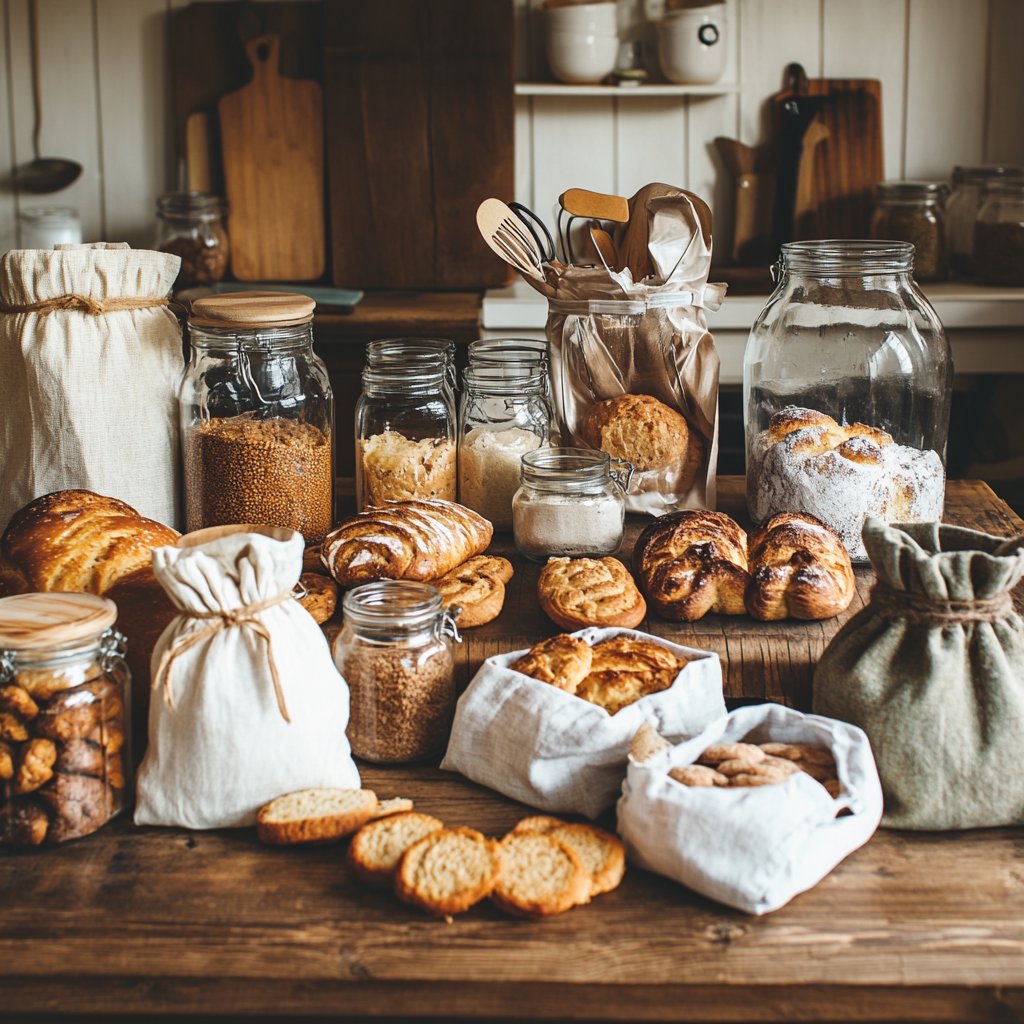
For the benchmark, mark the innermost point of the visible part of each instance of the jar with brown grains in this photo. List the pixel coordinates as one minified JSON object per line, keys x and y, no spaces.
{"x":191,"y":225}
{"x":257,"y":416}
{"x":395,"y":652}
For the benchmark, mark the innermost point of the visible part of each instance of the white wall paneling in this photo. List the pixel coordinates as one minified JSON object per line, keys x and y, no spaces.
{"x":8,"y":204}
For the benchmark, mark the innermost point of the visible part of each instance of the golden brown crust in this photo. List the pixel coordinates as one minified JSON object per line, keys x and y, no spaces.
{"x":602,"y":854}
{"x":540,"y":876}
{"x":626,"y":668}
{"x":692,"y":562}
{"x":579,"y":592}
{"x":314,"y":815}
{"x":35,"y":765}
{"x":563,"y":660}
{"x":538,"y":823}
{"x":321,"y":596}
{"x":448,"y":871}
{"x":798,"y":568}
{"x":378,"y":847}
{"x":477,"y":587}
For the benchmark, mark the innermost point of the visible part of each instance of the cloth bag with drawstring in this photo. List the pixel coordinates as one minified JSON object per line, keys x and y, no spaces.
{"x":247,"y":703}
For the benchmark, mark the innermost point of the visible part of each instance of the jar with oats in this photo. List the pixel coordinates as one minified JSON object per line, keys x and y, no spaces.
{"x":395,"y":652}
{"x":405,"y":434}
{"x":257,"y":416}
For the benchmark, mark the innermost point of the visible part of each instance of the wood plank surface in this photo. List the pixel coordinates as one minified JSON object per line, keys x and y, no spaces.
{"x":913,"y":927}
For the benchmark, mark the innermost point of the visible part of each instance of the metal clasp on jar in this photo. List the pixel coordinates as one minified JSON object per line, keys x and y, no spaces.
{"x":622,"y":473}
{"x":448,"y":625}
{"x":6,"y":667}
{"x":113,"y":648}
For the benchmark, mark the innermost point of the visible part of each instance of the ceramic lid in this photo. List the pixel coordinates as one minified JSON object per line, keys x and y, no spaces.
{"x":252,"y":310}
{"x":31,"y":622}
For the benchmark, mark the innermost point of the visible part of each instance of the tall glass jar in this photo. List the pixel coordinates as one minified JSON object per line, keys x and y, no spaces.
{"x":65,"y":754}
{"x":572,"y":503}
{"x":999,"y":234}
{"x":415,"y":351}
{"x":911,"y":211}
{"x":962,"y":211}
{"x":43,"y":227}
{"x":395,"y":652}
{"x":504,"y":415}
{"x":846,"y":387}
{"x":405,"y":434}
{"x":191,"y":225}
{"x":257,"y":416}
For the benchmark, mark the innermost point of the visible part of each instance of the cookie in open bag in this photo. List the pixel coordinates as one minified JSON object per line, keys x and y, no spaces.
{"x":931,"y":669}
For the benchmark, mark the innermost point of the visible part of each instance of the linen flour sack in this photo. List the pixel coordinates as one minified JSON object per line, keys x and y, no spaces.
{"x":933,"y":671}
{"x":247,"y":703}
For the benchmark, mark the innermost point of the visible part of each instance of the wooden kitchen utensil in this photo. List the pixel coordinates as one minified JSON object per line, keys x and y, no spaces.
{"x":604,"y":246}
{"x":507,"y":236}
{"x":272,"y":146}
{"x":754,"y":201}
{"x":199,"y":152}
{"x":581,"y":202}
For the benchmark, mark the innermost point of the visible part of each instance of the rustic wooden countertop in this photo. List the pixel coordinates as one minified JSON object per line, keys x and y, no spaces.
{"x":923,"y":927}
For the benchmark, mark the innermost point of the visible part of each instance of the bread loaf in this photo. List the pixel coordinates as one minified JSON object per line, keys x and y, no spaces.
{"x":798,"y":568}
{"x":691,"y":563}
{"x":579,"y":592}
{"x":405,"y":540}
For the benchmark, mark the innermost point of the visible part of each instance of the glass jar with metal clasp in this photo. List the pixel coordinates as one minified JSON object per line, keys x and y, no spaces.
{"x":571,"y":503}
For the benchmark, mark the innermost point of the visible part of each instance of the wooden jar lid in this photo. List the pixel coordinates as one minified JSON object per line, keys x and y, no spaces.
{"x":252,"y":310}
{"x":32,"y":622}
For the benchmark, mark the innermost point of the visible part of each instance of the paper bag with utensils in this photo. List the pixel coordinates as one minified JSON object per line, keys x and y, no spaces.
{"x":638,"y":328}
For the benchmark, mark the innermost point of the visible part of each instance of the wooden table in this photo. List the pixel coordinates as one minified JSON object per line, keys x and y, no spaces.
{"x":924,"y":927}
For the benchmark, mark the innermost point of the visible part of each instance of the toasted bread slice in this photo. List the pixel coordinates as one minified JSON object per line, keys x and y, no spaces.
{"x":602,"y":854}
{"x":376,"y":849}
{"x":315,"y":815}
{"x":394,"y":805}
{"x":448,"y":871}
{"x":537,"y":823}
{"x":540,"y":876}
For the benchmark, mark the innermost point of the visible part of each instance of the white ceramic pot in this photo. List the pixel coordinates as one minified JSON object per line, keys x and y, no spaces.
{"x":581,"y":41}
{"x":691,"y":45}
{"x":593,"y":19}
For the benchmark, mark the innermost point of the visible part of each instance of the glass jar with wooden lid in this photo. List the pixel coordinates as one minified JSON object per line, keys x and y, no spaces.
{"x":64,"y":694}
{"x":257,"y":415}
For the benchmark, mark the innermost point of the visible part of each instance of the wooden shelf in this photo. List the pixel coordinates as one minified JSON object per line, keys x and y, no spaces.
{"x":624,"y":91}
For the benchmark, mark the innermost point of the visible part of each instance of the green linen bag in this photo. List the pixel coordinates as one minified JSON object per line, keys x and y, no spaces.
{"x":933,"y":671}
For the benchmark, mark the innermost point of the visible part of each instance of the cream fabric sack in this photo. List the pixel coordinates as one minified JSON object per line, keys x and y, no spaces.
{"x":89,"y":391}
{"x":247,"y":703}
{"x":753,"y":848}
{"x":552,"y":750}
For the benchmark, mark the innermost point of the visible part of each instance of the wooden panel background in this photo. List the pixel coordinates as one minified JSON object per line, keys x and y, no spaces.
{"x":953,"y":85}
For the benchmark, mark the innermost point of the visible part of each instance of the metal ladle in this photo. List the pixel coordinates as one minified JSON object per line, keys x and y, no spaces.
{"x":43,"y":174}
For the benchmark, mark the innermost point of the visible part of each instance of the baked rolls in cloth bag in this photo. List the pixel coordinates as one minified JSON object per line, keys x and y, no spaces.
{"x":641,"y":330}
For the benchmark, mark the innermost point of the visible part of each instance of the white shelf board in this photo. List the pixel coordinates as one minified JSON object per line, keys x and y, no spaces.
{"x":624,"y":91}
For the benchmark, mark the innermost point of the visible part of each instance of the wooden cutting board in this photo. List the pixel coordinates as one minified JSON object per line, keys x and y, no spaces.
{"x":272,"y":148}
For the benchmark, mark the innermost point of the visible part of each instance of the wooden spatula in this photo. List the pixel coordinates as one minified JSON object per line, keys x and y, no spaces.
{"x":580,"y":202}
{"x":507,"y":236}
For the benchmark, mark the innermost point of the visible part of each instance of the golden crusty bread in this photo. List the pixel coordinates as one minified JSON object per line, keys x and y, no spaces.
{"x":563,"y":660}
{"x":624,"y":669}
{"x":540,"y":876}
{"x":477,"y":587}
{"x":376,"y":849}
{"x":406,"y":540}
{"x":321,"y":597}
{"x":579,"y":592}
{"x":314,"y":815}
{"x":448,"y":871}
{"x":691,"y":563}
{"x":799,"y":568}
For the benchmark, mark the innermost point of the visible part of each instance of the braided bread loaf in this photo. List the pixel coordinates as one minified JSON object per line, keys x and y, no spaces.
{"x":420,"y":539}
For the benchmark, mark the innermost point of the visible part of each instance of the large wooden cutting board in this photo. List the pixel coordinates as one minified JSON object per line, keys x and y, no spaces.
{"x":272,"y":147}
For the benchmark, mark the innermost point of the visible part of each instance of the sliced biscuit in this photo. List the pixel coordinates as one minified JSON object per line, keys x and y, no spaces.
{"x":540,"y":876}
{"x":579,"y":592}
{"x":376,"y":849}
{"x":448,"y":871}
{"x":563,"y":660}
{"x":477,"y":587}
{"x":314,"y":815}
{"x":602,"y":854}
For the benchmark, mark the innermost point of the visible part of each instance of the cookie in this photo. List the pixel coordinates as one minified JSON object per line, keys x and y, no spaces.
{"x":804,"y":753}
{"x":321,"y":596}
{"x":579,"y":592}
{"x":563,"y":660}
{"x":448,"y":871}
{"x":698,"y":775}
{"x":719,"y":752}
{"x":314,"y":815}
{"x":376,"y":849}
{"x":647,"y":743}
{"x":601,"y":853}
{"x":540,"y":876}
{"x":477,"y":587}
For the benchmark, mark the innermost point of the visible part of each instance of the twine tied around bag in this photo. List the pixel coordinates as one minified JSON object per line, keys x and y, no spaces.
{"x":246,"y":617}
{"x":82,"y":304}
{"x":934,"y":611}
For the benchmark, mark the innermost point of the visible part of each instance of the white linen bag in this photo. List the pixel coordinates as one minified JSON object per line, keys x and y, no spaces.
{"x":753,"y":848}
{"x":90,"y":360}
{"x":247,"y":703}
{"x":552,"y":750}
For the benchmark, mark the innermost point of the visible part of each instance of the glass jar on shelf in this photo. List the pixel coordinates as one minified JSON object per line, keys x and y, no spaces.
{"x":572,"y":503}
{"x":64,"y":730}
{"x":962,"y":211}
{"x":257,"y":416}
{"x":191,"y":225}
{"x":846,"y":388}
{"x":405,"y":434}
{"x":408,"y":351}
{"x":395,"y":651}
{"x":43,"y":227}
{"x":911,"y":211}
{"x":505,"y":414}
{"x":999,"y":234}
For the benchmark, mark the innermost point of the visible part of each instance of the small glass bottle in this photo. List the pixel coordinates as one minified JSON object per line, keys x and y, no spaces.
{"x":911,"y":211}
{"x":572,"y":503}
{"x":257,"y":416}
{"x":64,"y":737}
{"x":415,"y":351}
{"x":191,"y":225}
{"x":43,"y":227}
{"x":395,"y":652}
{"x":405,"y":435}
{"x":504,"y":415}
{"x":999,"y":234}
{"x":962,"y":211}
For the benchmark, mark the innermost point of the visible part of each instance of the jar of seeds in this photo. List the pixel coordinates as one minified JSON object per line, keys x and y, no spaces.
{"x":257,"y":416}
{"x":395,"y":652}
{"x":911,"y":211}
{"x":191,"y":225}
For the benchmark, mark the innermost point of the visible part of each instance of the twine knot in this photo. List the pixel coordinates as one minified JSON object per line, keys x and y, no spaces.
{"x":82,"y":304}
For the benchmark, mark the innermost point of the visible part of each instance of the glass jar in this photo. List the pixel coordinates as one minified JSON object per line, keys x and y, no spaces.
{"x":504,"y":415}
{"x":257,"y":416}
{"x":395,"y":652}
{"x":572,"y":503}
{"x":999,"y":234}
{"x":64,"y":739}
{"x":46,"y":226}
{"x":962,"y":211}
{"x":191,"y":225}
{"x":409,"y":351}
{"x":405,"y":435}
{"x":911,"y":211}
{"x":846,"y":389}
